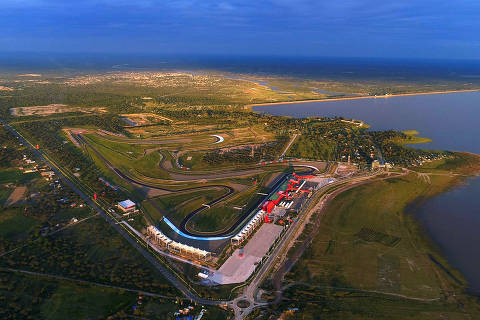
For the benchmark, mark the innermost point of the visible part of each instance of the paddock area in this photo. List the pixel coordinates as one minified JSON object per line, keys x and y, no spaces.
{"x":238,"y":268}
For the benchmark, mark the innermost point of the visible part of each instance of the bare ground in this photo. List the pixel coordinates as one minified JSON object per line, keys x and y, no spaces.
{"x":17,"y":196}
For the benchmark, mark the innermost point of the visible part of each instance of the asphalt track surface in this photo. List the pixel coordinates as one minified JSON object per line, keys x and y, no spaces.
{"x":134,"y":243}
{"x":230,"y":191}
{"x":184,"y":222}
{"x":232,"y":228}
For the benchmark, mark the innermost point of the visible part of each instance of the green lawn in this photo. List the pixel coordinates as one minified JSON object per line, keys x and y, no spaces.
{"x":15,"y":176}
{"x":196,"y":162}
{"x":179,"y":205}
{"x":223,"y":215}
{"x":129,"y":150}
{"x":412,"y":138}
{"x":77,"y":212}
{"x":4,"y":194}
{"x":149,"y":166}
{"x":107,"y":173}
{"x":82,"y":302}
{"x":92,"y":251}
{"x":14,"y":223}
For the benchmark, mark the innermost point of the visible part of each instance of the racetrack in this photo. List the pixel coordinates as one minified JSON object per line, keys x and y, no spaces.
{"x":229,"y":232}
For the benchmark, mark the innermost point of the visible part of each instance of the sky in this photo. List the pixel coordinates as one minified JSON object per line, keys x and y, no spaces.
{"x":333,"y":28}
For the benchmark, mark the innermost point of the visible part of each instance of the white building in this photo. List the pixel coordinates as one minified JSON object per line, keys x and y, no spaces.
{"x":126,"y":206}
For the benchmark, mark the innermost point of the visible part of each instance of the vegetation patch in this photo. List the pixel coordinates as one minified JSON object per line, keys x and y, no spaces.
{"x":177,"y":206}
{"x":90,"y":251}
{"x":84,"y":302}
{"x":388,"y":273}
{"x":370,"y":235}
{"x":14,"y":223}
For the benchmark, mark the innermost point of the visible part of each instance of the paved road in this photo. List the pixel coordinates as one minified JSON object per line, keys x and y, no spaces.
{"x":133,"y":242}
{"x":288,"y":146}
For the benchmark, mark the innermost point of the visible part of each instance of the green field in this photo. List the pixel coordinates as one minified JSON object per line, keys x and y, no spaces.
{"x":15,"y":176}
{"x":358,"y":228}
{"x":90,"y":251}
{"x":81,"y":302}
{"x":40,"y":297}
{"x":411,"y":137}
{"x":4,"y":194}
{"x":369,"y":249}
{"x":15,"y":224}
{"x":222,"y":215}
{"x":128,"y":150}
{"x":179,"y":205}
{"x":68,"y":213}
{"x":196,"y":161}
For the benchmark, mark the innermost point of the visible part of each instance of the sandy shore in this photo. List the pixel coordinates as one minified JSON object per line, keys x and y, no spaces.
{"x":363,"y":97}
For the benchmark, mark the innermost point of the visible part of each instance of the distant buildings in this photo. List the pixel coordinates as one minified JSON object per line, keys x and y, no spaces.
{"x":376,"y":165}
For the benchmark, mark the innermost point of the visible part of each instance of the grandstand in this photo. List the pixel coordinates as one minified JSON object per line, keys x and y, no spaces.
{"x":176,"y":247}
{"x":248,"y":229}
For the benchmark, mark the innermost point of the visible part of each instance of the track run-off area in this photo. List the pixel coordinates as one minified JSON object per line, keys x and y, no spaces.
{"x":191,"y":178}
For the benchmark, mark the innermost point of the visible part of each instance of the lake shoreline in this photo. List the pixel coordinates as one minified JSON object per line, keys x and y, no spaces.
{"x":250,"y":106}
{"x":469,"y":169}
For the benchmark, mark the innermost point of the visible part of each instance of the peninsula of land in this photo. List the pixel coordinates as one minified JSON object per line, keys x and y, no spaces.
{"x":362,"y":97}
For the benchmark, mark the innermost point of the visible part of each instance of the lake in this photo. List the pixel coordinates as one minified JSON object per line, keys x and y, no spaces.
{"x":452,"y":121}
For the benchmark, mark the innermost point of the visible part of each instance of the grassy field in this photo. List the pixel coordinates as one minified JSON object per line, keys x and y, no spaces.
{"x":222,"y":215}
{"x":412,"y":138}
{"x":357,"y":230}
{"x":84,"y":302}
{"x":16,"y":176}
{"x":4,"y":194}
{"x":29,"y":297}
{"x":67,"y":214}
{"x":119,"y":150}
{"x":193,"y":160}
{"x":308,"y":148}
{"x":149,"y":166}
{"x":36,"y":297}
{"x":128,"y":150}
{"x":90,"y":251}
{"x":14,"y":224}
{"x":179,"y":205}
{"x":106,"y":172}
{"x":370,"y":257}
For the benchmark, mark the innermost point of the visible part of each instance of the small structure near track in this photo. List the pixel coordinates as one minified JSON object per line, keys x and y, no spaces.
{"x":126,"y":206}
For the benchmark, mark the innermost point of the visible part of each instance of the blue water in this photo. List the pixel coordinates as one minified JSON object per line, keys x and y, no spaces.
{"x":453,"y":122}
{"x":465,"y":71}
{"x":450,"y":120}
